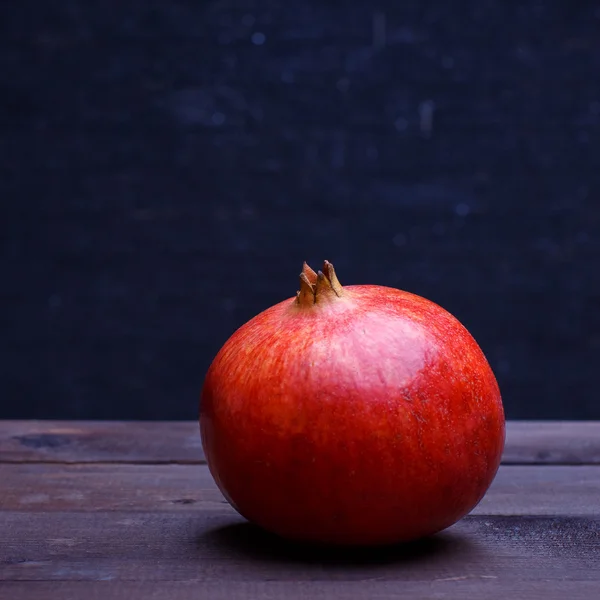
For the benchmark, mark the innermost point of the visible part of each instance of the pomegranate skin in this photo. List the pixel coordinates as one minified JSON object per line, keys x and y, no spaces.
{"x":370,"y":419}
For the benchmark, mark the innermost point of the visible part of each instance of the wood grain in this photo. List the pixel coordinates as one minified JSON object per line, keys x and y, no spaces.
{"x":212,"y":548}
{"x":517,"y":489}
{"x":179,"y":442}
{"x":552,"y":442}
{"x":456,"y":588}
{"x":126,"y":510}
{"x":100,"y":441}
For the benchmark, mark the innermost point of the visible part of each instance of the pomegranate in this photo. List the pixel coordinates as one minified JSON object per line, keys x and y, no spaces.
{"x":357,"y":415}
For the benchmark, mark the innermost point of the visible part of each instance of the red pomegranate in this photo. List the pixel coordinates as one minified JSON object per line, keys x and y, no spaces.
{"x":360,"y":415}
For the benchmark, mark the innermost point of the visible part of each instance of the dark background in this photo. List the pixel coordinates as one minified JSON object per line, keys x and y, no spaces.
{"x":166,"y":166}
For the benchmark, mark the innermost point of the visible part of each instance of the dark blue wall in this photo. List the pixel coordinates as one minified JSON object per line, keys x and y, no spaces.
{"x":166,"y":166}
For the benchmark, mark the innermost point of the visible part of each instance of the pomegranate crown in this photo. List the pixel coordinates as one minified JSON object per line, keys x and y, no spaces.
{"x":322,"y":286}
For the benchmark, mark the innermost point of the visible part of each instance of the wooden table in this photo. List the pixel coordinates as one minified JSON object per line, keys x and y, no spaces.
{"x":113,"y":510}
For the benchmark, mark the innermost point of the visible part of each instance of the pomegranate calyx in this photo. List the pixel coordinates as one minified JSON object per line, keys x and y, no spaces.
{"x":309,"y":273}
{"x":318,"y":287}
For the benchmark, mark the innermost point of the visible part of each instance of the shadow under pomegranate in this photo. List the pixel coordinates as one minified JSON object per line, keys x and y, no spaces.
{"x":248,"y":541}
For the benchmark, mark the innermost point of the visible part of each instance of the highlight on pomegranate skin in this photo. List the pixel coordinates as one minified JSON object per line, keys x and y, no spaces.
{"x":356,"y":415}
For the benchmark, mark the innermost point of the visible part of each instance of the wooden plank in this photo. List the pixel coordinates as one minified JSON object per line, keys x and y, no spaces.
{"x":457,"y":588}
{"x":543,"y":442}
{"x":98,"y":487}
{"x":552,"y":442}
{"x":211,"y":548}
{"x":517,"y":490}
{"x":101,"y":441}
